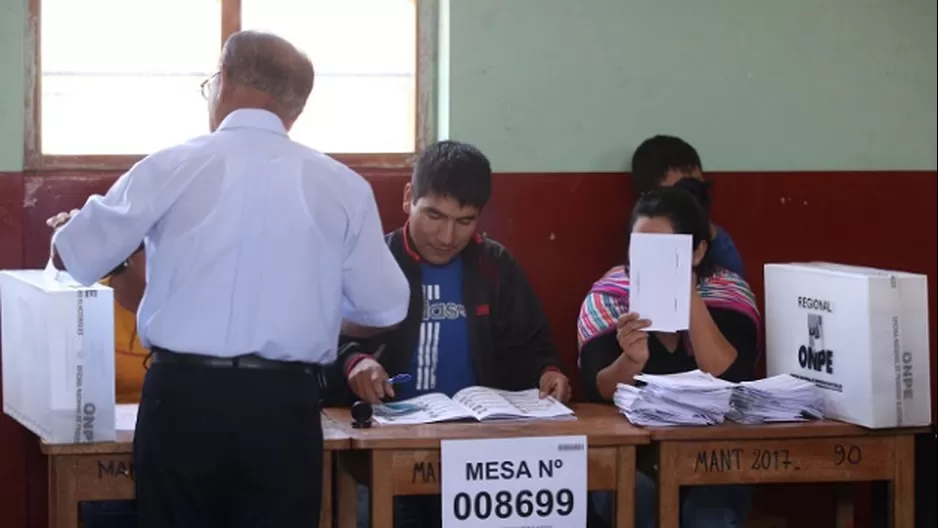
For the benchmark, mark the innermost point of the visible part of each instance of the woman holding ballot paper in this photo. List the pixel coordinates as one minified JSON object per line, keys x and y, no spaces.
{"x":721,"y":339}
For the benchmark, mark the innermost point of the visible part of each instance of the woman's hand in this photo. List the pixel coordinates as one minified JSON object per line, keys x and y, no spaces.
{"x":632,"y":338}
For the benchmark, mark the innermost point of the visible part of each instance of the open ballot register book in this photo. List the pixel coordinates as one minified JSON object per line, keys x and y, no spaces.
{"x":472,"y":403}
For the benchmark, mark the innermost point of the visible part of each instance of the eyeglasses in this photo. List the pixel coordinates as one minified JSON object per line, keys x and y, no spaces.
{"x":206,"y":86}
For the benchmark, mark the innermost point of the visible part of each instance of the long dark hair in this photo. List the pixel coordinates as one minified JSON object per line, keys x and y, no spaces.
{"x":686,"y":215}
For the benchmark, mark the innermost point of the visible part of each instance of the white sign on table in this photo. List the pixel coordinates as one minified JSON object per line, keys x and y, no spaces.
{"x":514,"y":482}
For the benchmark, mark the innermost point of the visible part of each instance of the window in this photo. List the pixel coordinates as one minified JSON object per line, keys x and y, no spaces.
{"x":118,"y":79}
{"x":363,"y":99}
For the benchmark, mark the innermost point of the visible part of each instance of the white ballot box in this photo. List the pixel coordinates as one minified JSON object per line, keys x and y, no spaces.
{"x":860,"y":334}
{"x":58,"y":356}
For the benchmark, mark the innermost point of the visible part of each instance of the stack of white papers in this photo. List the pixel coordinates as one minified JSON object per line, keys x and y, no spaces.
{"x":782,"y":398}
{"x":687,"y":398}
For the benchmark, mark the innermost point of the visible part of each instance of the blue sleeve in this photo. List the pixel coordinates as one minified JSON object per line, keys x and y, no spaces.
{"x":724,"y":253}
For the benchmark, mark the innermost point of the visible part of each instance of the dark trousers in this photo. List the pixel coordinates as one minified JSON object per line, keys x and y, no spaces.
{"x":109,"y":514}
{"x":412,"y":511}
{"x":220,"y":447}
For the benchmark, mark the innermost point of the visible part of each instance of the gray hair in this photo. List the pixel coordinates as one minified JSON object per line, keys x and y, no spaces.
{"x":269,"y":64}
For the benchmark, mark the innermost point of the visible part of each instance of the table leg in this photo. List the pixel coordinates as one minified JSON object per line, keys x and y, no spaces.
{"x":63,"y":505}
{"x":625,"y":488}
{"x":669,"y":490}
{"x":382,"y":494}
{"x":325,"y":511}
{"x":346,"y":493}
{"x":902,"y":487}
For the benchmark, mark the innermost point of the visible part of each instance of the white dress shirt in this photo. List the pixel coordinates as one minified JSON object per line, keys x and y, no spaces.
{"x":254,"y":244}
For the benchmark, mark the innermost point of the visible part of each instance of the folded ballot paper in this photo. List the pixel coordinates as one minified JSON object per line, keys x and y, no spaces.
{"x":687,"y":398}
{"x":697,"y":398}
{"x":58,"y":355}
{"x":782,"y":398}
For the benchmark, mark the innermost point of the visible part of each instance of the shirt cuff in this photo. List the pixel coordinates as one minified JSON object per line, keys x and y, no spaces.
{"x":67,"y":256}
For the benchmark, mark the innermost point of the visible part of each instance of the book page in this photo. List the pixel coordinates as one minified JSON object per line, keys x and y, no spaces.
{"x":488,"y":403}
{"x":485,"y":403}
{"x":429,"y":408}
{"x":532,"y":405}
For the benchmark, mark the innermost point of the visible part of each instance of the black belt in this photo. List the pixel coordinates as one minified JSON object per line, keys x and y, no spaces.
{"x":250,"y":361}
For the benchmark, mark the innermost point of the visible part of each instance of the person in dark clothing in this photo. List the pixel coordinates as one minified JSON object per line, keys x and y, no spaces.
{"x":665,"y":161}
{"x":723,"y":340}
{"x":473,"y":318}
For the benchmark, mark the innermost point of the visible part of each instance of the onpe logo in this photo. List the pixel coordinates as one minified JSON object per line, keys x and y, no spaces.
{"x":814,"y":356}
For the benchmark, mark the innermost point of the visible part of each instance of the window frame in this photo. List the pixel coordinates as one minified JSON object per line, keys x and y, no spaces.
{"x":35,"y":160}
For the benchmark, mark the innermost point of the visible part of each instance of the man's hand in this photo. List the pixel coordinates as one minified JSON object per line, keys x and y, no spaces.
{"x":60,"y":219}
{"x":369,"y":381}
{"x":554,"y":383}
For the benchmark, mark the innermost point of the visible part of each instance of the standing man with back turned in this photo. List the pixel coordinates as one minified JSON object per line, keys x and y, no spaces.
{"x":257,"y":248}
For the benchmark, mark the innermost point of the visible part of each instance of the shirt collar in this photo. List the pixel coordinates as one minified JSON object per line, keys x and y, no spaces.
{"x":253,"y":118}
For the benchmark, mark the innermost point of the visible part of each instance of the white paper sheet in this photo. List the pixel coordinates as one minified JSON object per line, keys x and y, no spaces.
{"x":660,"y":274}
{"x":125,"y":416}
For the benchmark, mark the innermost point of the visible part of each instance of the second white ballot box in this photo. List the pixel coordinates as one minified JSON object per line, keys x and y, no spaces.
{"x":860,"y":334}
{"x":58,"y":356}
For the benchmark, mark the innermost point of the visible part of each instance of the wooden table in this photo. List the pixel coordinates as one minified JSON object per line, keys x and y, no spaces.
{"x":822,"y":451}
{"x":405,"y":459}
{"x":104,"y":471}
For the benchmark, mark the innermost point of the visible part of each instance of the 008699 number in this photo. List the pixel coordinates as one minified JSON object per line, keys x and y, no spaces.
{"x":503,"y":505}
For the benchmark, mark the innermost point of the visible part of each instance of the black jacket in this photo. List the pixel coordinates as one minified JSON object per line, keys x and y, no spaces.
{"x":509,"y":337}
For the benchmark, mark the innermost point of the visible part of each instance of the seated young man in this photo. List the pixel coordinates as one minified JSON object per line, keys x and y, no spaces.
{"x":722,"y":340}
{"x":473,"y":318}
{"x":128,"y":282}
{"x":663,"y":161}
